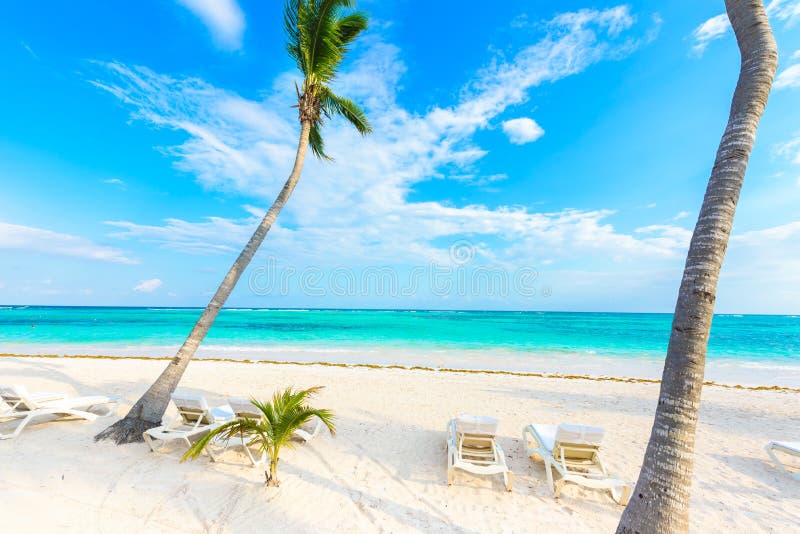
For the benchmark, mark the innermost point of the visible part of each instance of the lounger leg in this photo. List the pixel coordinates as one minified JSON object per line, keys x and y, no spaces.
{"x":18,"y":428}
{"x":622,"y":494}
{"x":549,"y":470}
{"x":451,"y":474}
{"x":149,"y":441}
{"x":253,"y":460}
{"x":508,"y":478}
{"x":557,"y":485}
{"x":771,"y":452}
{"x":77,"y":413}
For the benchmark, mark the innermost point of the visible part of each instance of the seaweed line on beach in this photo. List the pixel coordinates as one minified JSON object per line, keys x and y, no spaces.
{"x":632,"y":380}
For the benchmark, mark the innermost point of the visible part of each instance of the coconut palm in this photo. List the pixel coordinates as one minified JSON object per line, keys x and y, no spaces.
{"x":660,"y":502}
{"x":319,"y":35}
{"x":287,"y":412}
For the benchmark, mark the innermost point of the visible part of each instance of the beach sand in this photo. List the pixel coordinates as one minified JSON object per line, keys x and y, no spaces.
{"x":385,"y":468}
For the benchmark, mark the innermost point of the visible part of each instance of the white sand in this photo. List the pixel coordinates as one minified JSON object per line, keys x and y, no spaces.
{"x":385,"y":469}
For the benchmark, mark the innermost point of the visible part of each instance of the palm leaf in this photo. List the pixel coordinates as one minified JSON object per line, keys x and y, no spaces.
{"x":349,"y":27}
{"x":283,"y":415}
{"x":316,"y":142}
{"x":344,"y":107}
{"x":318,"y":35}
{"x":291,"y":14}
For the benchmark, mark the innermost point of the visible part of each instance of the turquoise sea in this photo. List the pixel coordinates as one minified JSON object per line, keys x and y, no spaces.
{"x":596,"y":343}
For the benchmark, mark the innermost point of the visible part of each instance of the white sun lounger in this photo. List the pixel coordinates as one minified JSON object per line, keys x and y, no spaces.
{"x":244,"y":409}
{"x":472,"y":447}
{"x":792,"y":448}
{"x":195,"y":419}
{"x":30,"y":406}
{"x":574,"y":452}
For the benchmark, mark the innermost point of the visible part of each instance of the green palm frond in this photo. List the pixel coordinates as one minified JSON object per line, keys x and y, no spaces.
{"x":349,"y":27}
{"x":316,"y":142}
{"x":292,"y":27}
{"x":322,"y":51}
{"x":338,"y":105}
{"x":319,"y":34}
{"x":285,"y":413}
{"x":227,"y":431}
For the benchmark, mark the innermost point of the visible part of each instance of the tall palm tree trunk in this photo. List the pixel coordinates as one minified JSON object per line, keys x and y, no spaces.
{"x":660,"y":502}
{"x":150,"y":408}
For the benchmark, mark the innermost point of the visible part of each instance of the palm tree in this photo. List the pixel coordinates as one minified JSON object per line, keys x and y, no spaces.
{"x":660,"y":502}
{"x":319,"y":35}
{"x":286,"y":413}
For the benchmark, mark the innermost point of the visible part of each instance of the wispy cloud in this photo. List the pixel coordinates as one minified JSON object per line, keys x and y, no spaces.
{"x":788,"y":78}
{"x":359,"y":205}
{"x":39,"y":240}
{"x":710,"y":30}
{"x":681,"y":215}
{"x":786,"y":11}
{"x":522,"y":130}
{"x":216,"y":235}
{"x":224,"y":18}
{"x":117,"y":182}
{"x":27,"y":47}
{"x":148,"y":286}
{"x":789,"y":149}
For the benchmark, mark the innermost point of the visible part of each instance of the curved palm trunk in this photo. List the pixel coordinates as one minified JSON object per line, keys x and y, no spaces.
{"x":148,"y":410}
{"x":660,"y":502}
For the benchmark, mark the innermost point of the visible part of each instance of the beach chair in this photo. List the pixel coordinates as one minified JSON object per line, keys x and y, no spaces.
{"x":244,"y":409}
{"x":195,"y":419}
{"x":574,"y":452}
{"x":29,"y":406}
{"x":785,"y":447}
{"x":472,"y":447}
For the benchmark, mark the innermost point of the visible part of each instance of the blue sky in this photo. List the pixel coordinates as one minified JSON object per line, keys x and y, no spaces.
{"x":562,"y":151}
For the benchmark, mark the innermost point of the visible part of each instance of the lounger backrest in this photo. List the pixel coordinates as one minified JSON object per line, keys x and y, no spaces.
{"x":577,"y":441}
{"x":193,"y":408}
{"x":17,"y":398}
{"x":244,"y":409}
{"x":476,"y":425}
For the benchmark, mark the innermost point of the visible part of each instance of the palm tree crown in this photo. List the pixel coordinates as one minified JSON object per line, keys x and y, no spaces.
{"x":319,"y":34}
{"x":282,"y":416}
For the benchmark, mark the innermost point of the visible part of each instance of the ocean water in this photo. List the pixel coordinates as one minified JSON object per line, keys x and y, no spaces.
{"x":762,"y":349}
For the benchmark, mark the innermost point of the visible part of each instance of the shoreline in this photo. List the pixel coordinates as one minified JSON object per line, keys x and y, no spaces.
{"x":355,"y":365}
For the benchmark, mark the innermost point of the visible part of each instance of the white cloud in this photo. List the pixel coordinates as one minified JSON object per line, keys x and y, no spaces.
{"x":681,"y":215}
{"x":789,"y":77}
{"x":522,"y":130}
{"x":789,"y":149}
{"x":27,"y":48}
{"x":117,"y":182}
{"x":712,"y":29}
{"x":39,"y":240}
{"x":796,"y":54}
{"x":224,"y":18}
{"x":214,"y":236}
{"x":786,"y":11}
{"x":148,"y":286}
{"x":359,"y":207}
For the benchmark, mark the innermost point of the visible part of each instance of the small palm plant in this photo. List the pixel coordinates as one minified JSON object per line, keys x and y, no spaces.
{"x":287,"y":412}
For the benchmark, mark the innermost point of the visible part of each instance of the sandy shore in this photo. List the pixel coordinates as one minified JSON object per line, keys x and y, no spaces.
{"x":385,"y":469}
